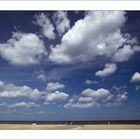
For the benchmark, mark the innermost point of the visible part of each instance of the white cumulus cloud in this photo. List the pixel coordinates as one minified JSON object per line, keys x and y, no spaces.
{"x":85,"y":99}
{"x":47,"y":27}
{"x":98,"y":34}
{"x":135,"y":77}
{"x":52,"y":95}
{"x":96,"y":94}
{"x":121,"y":97}
{"x":108,"y":70}
{"x":61,"y":22}
{"x":90,"y":98}
{"x":23,"y":49}
{"x":13,"y":91}
{"x":123,"y":54}
{"x":57,"y":96}
{"x":52,"y":86}
{"x":24,"y":104}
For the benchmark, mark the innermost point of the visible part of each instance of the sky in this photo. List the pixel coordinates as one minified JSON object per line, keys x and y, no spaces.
{"x":69,"y":65}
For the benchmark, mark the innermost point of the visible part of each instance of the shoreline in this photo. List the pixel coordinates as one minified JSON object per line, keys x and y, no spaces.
{"x":35,"y":126}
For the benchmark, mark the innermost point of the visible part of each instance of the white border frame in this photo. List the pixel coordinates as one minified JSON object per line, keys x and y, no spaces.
{"x":70,"y":134}
{"x":69,"y":5}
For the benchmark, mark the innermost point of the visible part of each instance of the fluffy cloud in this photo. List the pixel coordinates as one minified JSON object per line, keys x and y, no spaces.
{"x":96,"y":94}
{"x":52,"y":86}
{"x":24,"y":104}
{"x":90,"y":82}
{"x":13,"y":91}
{"x":50,"y":95}
{"x":53,"y":95}
{"x":121,"y":97}
{"x":85,"y":99}
{"x":89,"y":98}
{"x":135,"y":77}
{"x":20,"y":104}
{"x":23,"y":49}
{"x":96,"y":98}
{"x":47,"y":27}
{"x":108,"y":70}
{"x":123,"y":54}
{"x":57,"y":96}
{"x":61,"y":21}
{"x":91,"y":37}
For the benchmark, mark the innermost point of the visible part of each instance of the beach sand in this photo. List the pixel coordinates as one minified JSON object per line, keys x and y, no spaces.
{"x":68,"y":127}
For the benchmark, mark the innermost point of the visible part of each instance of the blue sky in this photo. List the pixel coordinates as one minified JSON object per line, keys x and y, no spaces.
{"x":69,"y":65}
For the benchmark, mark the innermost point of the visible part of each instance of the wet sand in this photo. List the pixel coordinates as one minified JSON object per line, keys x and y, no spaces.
{"x":69,"y":127}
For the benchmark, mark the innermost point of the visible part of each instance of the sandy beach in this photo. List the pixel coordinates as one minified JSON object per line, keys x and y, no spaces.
{"x":68,"y":127}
